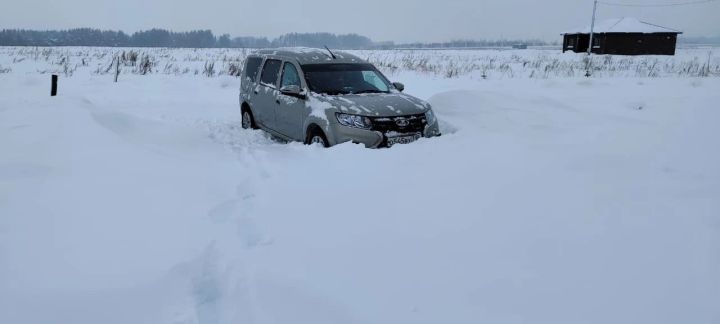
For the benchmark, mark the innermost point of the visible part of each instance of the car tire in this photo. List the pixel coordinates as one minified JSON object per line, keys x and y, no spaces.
{"x":316,"y":136}
{"x":248,"y":121}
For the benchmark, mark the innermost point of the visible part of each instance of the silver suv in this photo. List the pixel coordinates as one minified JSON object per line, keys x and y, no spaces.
{"x":324,"y":97}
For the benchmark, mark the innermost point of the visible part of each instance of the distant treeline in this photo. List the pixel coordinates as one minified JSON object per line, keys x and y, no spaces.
{"x":712,"y":40}
{"x":96,"y":37}
{"x":166,"y":38}
{"x":206,"y":39}
{"x":475,"y":43}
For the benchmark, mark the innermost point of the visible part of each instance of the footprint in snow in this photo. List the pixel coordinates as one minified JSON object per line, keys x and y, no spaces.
{"x":207,"y":289}
{"x":239,"y":210}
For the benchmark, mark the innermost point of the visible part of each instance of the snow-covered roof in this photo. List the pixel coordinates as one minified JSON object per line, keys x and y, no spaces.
{"x":307,"y":55}
{"x":623,"y":25}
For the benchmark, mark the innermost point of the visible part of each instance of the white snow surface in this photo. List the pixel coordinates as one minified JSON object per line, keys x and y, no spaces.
{"x":623,"y":25}
{"x":565,"y":200}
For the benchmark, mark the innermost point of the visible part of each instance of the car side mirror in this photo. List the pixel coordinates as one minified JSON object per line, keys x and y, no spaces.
{"x":399,"y":86}
{"x":293,"y":91}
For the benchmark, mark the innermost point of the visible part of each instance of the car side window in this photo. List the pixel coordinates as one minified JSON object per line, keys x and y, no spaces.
{"x":374,"y":79}
{"x":251,"y":67}
{"x":290,"y":75}
{"x":270,"y":73}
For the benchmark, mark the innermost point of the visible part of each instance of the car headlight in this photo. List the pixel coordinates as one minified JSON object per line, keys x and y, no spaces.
{"x":354,"y":121}
{"x":430,"y":117}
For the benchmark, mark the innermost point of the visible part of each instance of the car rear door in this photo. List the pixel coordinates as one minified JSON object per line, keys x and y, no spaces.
{"x":290,"y":111}
{"x":266,"y":92}
{"x":249,"y":80}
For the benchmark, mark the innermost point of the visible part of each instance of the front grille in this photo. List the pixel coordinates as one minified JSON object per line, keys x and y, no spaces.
{"x":415,"y":124}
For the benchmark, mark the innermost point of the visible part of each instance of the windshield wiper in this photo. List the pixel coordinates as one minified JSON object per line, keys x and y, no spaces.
{"x":368,"y":91}
{"x":335,"y":92}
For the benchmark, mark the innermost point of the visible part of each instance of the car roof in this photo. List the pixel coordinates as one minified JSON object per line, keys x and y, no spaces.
{"x":307,"y":55}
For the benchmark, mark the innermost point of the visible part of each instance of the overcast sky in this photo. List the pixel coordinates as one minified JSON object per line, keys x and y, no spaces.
{"x":397,"y":20}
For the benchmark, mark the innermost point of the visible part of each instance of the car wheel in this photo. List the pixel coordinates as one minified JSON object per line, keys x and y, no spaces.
{"x":248,"y":122}
{"x":316,"y":136}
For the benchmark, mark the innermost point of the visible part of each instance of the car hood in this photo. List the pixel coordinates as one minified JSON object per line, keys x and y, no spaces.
{"x":375,"y":104}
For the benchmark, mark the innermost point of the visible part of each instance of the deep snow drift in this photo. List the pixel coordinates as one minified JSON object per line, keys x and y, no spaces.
{"x":546,"y":201}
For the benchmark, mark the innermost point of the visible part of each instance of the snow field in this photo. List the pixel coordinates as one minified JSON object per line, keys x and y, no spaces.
{"x":474,"y":64}
{"x":559,"y":200}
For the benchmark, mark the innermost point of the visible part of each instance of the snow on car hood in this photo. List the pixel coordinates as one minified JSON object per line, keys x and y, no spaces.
{"x":375,"y":104}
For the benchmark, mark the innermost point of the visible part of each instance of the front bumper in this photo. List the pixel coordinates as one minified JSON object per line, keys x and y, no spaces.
{"x":338,"y":134}
{"x":374,"y":138}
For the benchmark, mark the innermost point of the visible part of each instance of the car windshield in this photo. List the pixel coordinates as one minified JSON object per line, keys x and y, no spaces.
{"x":345,"y":79}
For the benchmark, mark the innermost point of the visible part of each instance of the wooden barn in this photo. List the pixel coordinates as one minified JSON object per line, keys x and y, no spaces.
{"x":623,"y":36}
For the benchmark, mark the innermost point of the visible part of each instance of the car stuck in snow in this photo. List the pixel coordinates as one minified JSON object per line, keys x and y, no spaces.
{"x":322,"y":97}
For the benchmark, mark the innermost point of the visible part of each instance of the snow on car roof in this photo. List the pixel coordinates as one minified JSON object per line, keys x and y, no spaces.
{"x":623,"y":25}
{"x":307,"y":55}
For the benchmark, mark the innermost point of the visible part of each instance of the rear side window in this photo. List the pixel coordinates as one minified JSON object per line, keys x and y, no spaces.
{"x":251,"y":67}
{"x":270,"y":73}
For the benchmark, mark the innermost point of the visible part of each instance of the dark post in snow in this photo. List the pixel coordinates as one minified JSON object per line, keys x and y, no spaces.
{"x":53,"y":85}
{"x":117,"y":68}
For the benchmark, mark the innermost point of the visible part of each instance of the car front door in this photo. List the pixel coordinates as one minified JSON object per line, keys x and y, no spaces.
{"x":265,"y":94}
{"x":290,"y":110}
